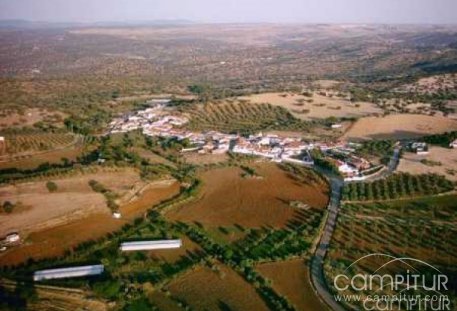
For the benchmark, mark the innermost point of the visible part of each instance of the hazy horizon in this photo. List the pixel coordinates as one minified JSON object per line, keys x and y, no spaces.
{"x":231,"y":11}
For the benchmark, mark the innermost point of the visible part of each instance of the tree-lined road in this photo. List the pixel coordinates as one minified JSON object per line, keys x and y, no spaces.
{"x":317,"y":262}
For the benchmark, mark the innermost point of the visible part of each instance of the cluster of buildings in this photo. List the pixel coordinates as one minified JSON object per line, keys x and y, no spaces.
{"x":295,"y":150}
{"x":274,"y":147}
{"x":349,"y":164}
{"x":153,"y":121}
{"x":157,"y":121}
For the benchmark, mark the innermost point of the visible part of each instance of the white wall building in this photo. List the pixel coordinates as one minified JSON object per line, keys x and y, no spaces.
{"x":150,"y":245}
{"x":12,"y":237}
{"x":68,"y":272}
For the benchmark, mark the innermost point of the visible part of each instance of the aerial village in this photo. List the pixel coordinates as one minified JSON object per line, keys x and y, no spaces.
{"x":158,"y":121}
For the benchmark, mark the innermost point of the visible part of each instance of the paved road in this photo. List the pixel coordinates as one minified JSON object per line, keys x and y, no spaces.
{"x":317,"y":262}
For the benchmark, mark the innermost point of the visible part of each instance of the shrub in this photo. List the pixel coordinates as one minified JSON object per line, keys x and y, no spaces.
{"x":8,"y":207}
{"x":52,"y":186}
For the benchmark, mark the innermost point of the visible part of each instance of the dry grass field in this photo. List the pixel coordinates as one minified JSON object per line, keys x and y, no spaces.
{"x":202,"y":159}
{"x":29,"y":117}
{"x":164,"y":302}
{"x":172,"y":255}
{"x":452,"y":104}
{"x":321,"y":107}
{"x":152,"y":157}
{"x":223,"y":289}
{"x":399,"y":126}
{"x":62,"y":298}
{"x":29,"y":144}
{"x":291,"y":280}
{"x":431,"y":84}
{"x":229,"y":199}
{"x":442,"y":161}
{"x":49,"y":221}
{"x":32,"y":161}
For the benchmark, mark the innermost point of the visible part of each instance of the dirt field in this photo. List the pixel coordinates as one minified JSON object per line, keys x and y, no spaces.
{"x":48,"y":221}
{"x":290,"y":279}
{"x":440,"y":161}
{"x":399,"y":126}
{"x":321,"y":106}
{"x":204,"y":289}
{"x":228,"y":199}
{"x":74,"y":199}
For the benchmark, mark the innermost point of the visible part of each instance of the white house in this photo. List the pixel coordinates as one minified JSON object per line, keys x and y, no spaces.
{"x":347,"y":169}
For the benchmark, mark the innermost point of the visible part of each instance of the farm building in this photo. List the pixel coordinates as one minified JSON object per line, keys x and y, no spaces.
{"x":68,"y":272}
{"x":150,"y":245}
{"x":453,"y":144}
{"x":419,"y":147}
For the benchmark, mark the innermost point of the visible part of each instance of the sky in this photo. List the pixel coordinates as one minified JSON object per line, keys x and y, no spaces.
{"x":239,"y":11}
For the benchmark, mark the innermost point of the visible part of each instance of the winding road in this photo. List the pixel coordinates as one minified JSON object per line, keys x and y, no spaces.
{"x":317,"y":262}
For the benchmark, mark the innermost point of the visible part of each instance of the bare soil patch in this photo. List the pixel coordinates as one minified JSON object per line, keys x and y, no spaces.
{"x":291,"y":279}
{"x":74,"y":213}
{"x":205,"y":289}
{"x":228,"y":199}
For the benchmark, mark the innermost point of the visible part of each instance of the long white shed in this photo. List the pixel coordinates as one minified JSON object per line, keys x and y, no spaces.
{"x":150,"y":245}
{"x":71,"y":272}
